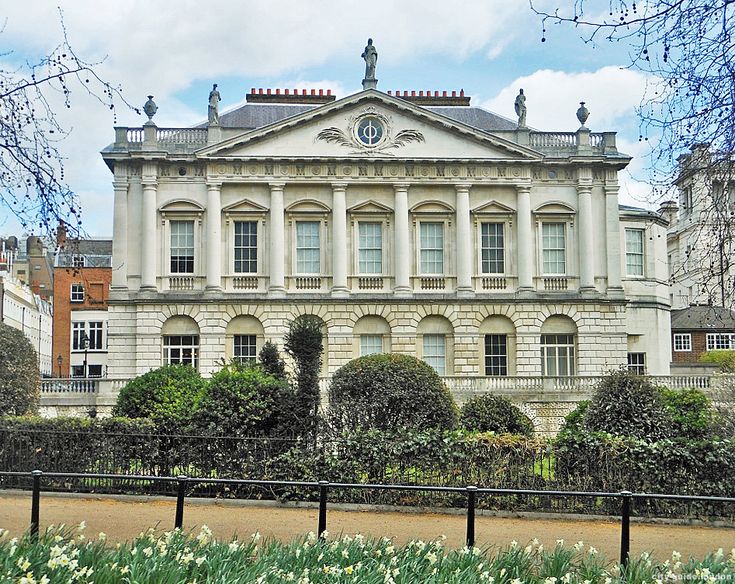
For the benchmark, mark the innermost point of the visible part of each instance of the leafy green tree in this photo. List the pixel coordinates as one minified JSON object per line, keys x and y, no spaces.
{"x":304,"y":345}
{"x":626,"y":404}
{"x":494,"y":413}
{"x":691,"y":412}
{"x":167,"y":395}
{"x":725,"y":360}
{"x":389,"y":391}
{"x":20,"y":378}
{"x":243,"y":400}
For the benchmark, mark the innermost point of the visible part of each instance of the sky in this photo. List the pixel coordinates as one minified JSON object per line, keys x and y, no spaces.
{"x":176,"y":49}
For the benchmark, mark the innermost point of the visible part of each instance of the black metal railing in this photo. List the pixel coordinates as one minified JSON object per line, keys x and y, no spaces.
{"x":471,"y":492}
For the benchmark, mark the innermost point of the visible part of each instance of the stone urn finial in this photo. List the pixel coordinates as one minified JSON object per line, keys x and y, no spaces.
{"x":582,"y":113}
{"x":150,"y":108}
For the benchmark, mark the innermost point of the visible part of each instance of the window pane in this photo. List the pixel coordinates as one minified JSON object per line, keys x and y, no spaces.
{"x":435,"y":352}
{"x":370,"y":244}
{"x":246,"y":247}
{"x":683,"y":342}
{"x":307,"y":248}
{"x":370,"y":344}
{"x":557,"y":355}
{"x":496,"y":355}
{"x":493,"y":256}
{"x":245,"y":350}
{"x":95,"y":335}
{"x":432,"y":248}
{"x":182,"y":247}
{"x":554,"y":248}
{"x":637,"y":363}
{"x":181,"y":349}
{"x":634,"y":252}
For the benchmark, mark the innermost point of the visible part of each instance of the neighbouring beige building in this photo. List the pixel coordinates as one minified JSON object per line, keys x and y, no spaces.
{"x":407,"y":222}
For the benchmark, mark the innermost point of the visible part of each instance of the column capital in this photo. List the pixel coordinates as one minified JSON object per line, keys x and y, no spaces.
{"x":149,"y":183}
{"x":120,"y":185}
{"x":462,"y":187}
{"x":401,"y":187}
{"x":524,"y":187}
{"x":612,"y":190}
{"x":339,"y":186}
{"x":584,"y":188}
{"x":213,"y":185}
{"x":276,"y":186}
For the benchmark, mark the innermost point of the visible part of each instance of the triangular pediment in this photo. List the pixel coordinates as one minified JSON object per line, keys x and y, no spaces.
{"x":369,"y":125}
{"x":370,"y":207}
{"x":245,"y":206}
{"x":493,"y":208}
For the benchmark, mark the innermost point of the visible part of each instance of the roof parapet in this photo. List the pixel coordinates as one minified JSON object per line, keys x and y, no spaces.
{"x":288,"y":96}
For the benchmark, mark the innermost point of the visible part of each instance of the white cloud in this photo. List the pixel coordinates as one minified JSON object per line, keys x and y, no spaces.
{"x":552,"y":98}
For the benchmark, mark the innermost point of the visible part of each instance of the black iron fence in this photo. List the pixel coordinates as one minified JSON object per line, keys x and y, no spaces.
{"x":471,"y":494}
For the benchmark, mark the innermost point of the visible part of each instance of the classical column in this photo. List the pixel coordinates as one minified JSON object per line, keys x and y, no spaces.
{"x":612,"y":228}
{"x":214,"y":236}
{"x":277,"y":241}
{"x":464,"y":241}
{"x":525,"y":239}
{"x":586,"y":247}
{"x":339,"y":240}
{"x":401,"y":249}
{"x":120,"y":235}
{"x":148,"y":248}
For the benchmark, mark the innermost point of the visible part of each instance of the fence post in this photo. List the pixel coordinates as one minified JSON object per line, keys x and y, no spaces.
{"x":35,"y":503}
{"x":180,"y":494}
{"x":627,"y":497}
{"x":322,"y":507}
{"x":471,"y":492}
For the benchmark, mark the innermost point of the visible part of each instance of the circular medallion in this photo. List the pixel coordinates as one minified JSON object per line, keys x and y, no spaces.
{"x":370,"y":131}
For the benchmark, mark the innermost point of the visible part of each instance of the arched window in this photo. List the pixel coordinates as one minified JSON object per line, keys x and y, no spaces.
{"x":371,"y":334}
{"x":435,"y":343}
{"x":244,"y":338}
{"x":558,"y":346}
{"x":180,"y":337}
{"x":498,"y":346}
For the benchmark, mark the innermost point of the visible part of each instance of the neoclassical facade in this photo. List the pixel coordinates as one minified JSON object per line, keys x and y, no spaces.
{"x":408,"y":223}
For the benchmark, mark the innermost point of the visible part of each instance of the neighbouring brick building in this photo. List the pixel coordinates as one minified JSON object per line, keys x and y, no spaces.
{"x":697,"y":329}
{"x":82,"y":277}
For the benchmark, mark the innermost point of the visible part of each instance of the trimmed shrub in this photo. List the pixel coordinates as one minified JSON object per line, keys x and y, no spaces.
{"x":20,"y":379}
{"x":691,"y":413}
{"x":167,"y":396}
{"x":494,"y":413}
{"x":271,"y":362}
{"x":574,"y":420}
{"x":244,"y":401}
{"x":304,"y":344}
{"x":626,"y":404}
{"x":389,"y":391}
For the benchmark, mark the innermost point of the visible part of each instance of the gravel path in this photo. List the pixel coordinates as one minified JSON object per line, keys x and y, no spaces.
{"x":122,"y":518}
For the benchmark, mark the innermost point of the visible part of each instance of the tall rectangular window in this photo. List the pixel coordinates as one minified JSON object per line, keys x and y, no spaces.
{"x":181,"y":349}
{"x":95,"y":336}
{"x":557,"y":355}
{"x":432,"y":248}
{"x":182,"y":247}
{"x":245,"y":349}
{"x":637,"y":363}
{"x":370,"y":344}
{"x":554,"y":248}
{"x":308,"y":253}
{"x":370,"y":246}
{"x":77,"y":331}
{"x":496,"y":355}
{"x":246,"y":247}
{"x":435,"y":352}
{"x":493,"y":248}
{"x":634,"y":252}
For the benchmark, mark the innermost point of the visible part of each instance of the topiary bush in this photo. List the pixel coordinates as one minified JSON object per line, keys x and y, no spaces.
{"x":20,"y":378}
{"x":494,"y":413}
{"x":389,"y":391}
{"x":304,"y":344}
{"x":271,"y":362}
{"x":168,"y":396}
{"x":626,"y":404}
{"x":691,"y":412}
{"x":243,"y":400}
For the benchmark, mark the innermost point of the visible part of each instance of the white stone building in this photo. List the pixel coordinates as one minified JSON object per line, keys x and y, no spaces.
{"x":407,"y":223}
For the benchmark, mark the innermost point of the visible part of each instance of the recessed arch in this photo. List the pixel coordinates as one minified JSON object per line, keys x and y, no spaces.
{"x":435,"y":343}
{"x":371,"y":334}
{"x":244,"y":338}
{"x":497,"y":346}
{"x":180,"y":341}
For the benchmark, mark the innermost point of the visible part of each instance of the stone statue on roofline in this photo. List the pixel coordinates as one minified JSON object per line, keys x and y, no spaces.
{"x":520,"y":107}
{"x":214,"y":99}
{"x":370,"y":54}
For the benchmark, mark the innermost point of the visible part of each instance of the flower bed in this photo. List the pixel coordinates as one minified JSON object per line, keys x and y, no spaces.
{"x":64,"y":555}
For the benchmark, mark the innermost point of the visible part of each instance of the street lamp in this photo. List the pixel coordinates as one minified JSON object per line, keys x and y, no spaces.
{"x":59,"y":361}
{"x":85,"y":346}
